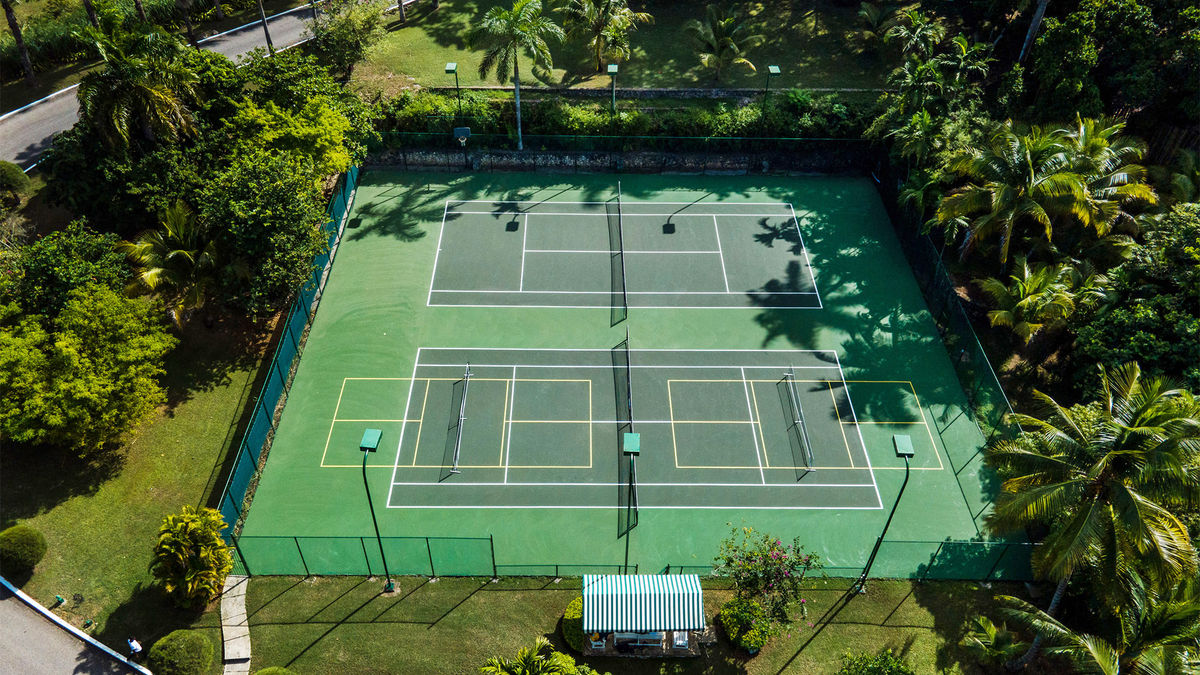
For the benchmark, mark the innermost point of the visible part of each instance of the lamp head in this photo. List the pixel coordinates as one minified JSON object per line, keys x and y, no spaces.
{"x":370,"y":440}
{"x":612,"y":69}
{"x":451,"y":68}
{"x":772,"y":71}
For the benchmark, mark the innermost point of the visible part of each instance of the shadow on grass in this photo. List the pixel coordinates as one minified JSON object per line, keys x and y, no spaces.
{"x":34,"y":480}
{"x":149,"y":614}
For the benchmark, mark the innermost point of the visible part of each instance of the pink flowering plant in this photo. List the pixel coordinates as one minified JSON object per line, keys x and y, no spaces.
{"x":767,"y":570}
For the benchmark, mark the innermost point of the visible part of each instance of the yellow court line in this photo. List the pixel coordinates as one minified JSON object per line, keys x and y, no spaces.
{"x":504,"y":418}
{"x":671,"y":416}
{"x":911,"y":387}
{"x":845,"y":441}
{"x":421,"y":423}
{"x":927,"y":429}
{"x":740,"y":381}
{"x":889,"y":422}
{"x":349,"y":420}
{"x":550,"y":421}
{"x":336,"y":407}
{"x":591,"y":431}
{"x":766,"y":457}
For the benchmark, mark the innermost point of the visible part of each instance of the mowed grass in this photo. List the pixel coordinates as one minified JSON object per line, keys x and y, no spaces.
{"x":453,"y":625}
{"x":101,"y":517}
{"x":809,"y":43}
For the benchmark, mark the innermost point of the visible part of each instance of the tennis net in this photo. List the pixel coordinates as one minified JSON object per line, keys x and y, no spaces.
{"x":802,"y":454}
{"x":627,"y":500}
{"x":458,"y":415}
{"x":619,"y":298}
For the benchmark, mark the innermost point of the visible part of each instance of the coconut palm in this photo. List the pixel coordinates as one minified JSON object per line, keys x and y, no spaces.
{"x":722,"y":40}
{"x":1034,"y":296}
{"x":991,"y":644}
{"x":1153,"y":632}
{"x":178,"y":262}
{"x":1106,"y":478}
{"x":605,"y":24}
{"x":142,"y":90}
{"x":919,"y":138}
{"x":1017,"y":179}
{"x":506,"y":34}
{"x":965,"y":59}
{"x":15,"y":28}
{"x":529,"y":661}
{"x":874,"y":21}
{"x":1180,"y":180}
{"x":920,"y":82}
{"x":1108,"y":162}
{"x":916,"y":33}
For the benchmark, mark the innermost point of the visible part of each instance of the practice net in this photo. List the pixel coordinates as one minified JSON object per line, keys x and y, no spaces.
{"x":627,"y":501}
{"x":802,"y":454}
{"x":458,"y":415}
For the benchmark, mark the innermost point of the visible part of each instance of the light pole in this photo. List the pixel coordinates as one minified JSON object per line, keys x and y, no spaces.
{"x":369,"y":444}
{"x":453,"y":68}
{"x":772,"y":71}
{"x":612,"y":72}
{"x":904,"y":448}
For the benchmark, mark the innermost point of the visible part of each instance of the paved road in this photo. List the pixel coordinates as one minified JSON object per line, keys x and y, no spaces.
{"x":30,"y":643}
{"x":25,"y":133}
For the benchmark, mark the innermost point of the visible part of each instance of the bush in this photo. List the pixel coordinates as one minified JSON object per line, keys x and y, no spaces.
{"x":21,"y":548}
{"x":883,"y":663}
{"x":572,"y":624}
{"x":13,"y":183}
{"x":274,"y":670}
{"x":191,"y":558}
{"x":182,"y":652}
{"x":746,"y":623}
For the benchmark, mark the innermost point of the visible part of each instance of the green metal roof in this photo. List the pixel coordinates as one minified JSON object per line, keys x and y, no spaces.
{"x":642,"y":603}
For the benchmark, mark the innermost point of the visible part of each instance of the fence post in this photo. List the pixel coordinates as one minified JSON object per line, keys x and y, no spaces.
{"x":492,"y":546}
{"x":429,"y":551}
{"x":365,"y":556}
{"x":302,"y":561}
{"x":241,"y":556}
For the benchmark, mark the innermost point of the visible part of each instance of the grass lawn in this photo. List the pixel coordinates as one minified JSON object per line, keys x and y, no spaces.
{"x":15,"y":92}
{"x":344,"y":624}
{"x":808,"y":44}
{"x":101,"y":517}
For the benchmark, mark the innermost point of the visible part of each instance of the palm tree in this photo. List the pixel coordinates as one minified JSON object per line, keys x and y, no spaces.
{"x":1180,"y":180}
{"x":965,"y":59}
{"x":1034,"y":296}
{"x":507,"y":33}
{"x":722,"y":40}
{"x":606,"y":24}
{"x":917,"y":33}
{"x":920,"y":82}
{"x":919,"y":138}
{"x":1108,"y":162}
{"x":874,"y":21}
{"x":179,"y":263}
{"x":991,"y":644}
{"x":15,"y":29}
{"x":141,"y":90}
{"x":1156,"y":632}
{"x":1016,"y":179}
{"x":530,"y":661}
{"x":1034,"y":24}
{"x":1106,"y":477}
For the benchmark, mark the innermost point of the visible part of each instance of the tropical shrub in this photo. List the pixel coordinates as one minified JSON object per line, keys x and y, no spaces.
{"x":13,"y":183}
{"x":53,"y":266}
{"x":572,"y":624}
{"x":766,"y":570}
{"x":746,"y":623}
{"x":883,"y":663}
{"x":191,"y":558}
{"x":181,"y":652}
{"x":990,"y":644}
{"x":21,"y":548}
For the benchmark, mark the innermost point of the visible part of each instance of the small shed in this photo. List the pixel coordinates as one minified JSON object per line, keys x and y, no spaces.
{"x":642,"y":614}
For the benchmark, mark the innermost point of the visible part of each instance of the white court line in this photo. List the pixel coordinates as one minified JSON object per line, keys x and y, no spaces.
{"x":781,"y":486}
{"x":724,"y":274}
{"x":635,"y":349}
{"x":597,"y":214}
{"x":412,"y":383}
{"x":812,"y":273}
{"x":531,"y":201}
{"x":593,"y":250}
{"x":436,"y":253}
{"x":642,"y":507}
{"x":508,"y":439}
{"x":482,"y":290}
{"x":524,"y":238}
{"x":739,"y":308}
{"x":753,"y":434}
{"x":859,"y":428}
{"x":574,"y":366}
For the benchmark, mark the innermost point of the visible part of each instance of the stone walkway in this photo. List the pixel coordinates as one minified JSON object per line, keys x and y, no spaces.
{"x":235,"y":630}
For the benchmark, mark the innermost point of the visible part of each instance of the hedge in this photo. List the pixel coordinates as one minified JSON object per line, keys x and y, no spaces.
{"x":21,"y":548}
{"x":746,"y":623}
{"x":181,"y":652}
{"x":572,"y":624}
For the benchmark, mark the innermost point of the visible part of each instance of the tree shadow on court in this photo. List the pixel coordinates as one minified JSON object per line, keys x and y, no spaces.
{"x":398,"y":216}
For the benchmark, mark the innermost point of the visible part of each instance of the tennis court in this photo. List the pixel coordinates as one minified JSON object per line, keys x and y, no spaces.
{"x":657,"y":254}
{"x":572,"y":375}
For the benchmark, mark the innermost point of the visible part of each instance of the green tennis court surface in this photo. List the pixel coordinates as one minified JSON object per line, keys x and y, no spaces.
{"x":777,"y":343}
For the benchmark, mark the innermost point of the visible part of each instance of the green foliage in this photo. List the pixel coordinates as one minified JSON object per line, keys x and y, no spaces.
{"x":538,"y":659}
{"x":272,"y":216}
{"x":274,"y":670}
{"x":1154,"y":310}
{"x":505,"y":34}
{"x":191,"y":558}
{"x":345,"y":31}
{"x":747,"y":624}
{"x":990,"y":644}
{"x":52,"y":267}
{"x":21,"y":548}
{"x":884,"y":663}
{"x":87,"y":378}
{"x":181,"y":652}
{"x":1037,"y":295}
{"x":13,"y":184}
{"x":605,"y":24}
{"x":721,"y":40}
{"x":765,"y":569}
{"x":315,"y":134}
{"x":572,"y":624}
